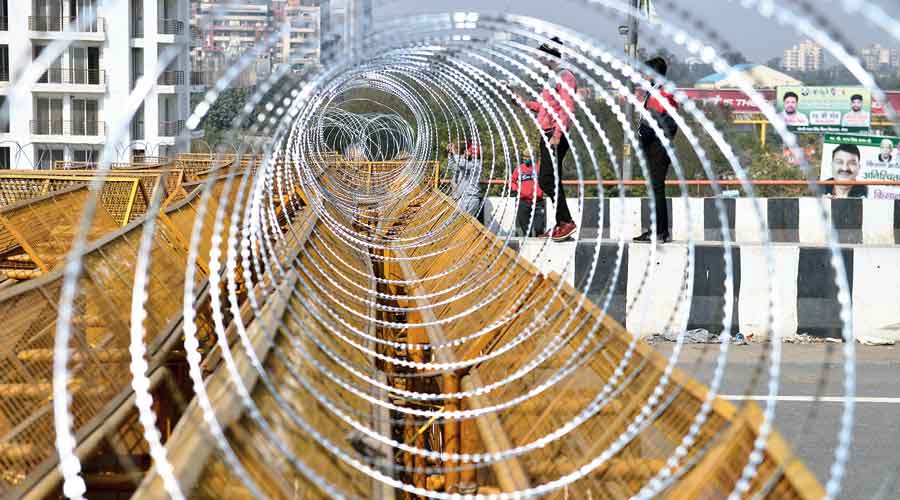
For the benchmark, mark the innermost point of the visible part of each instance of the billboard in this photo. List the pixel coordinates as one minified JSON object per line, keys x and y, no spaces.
{"x":825,"y":109}
{"x":862,"y":158}
{"x":739,"y":102}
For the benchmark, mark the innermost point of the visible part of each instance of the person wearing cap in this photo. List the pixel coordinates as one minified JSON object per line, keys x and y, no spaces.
{"x":465,"y":174}
{"x":524,"y":184}
{"x":550,"y":178}
{"x":658,"y":160}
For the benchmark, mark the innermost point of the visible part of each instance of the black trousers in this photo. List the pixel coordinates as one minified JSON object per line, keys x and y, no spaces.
{"x":658,"y":163}
{"x":546,"y":177}
{"x":523,"y":215}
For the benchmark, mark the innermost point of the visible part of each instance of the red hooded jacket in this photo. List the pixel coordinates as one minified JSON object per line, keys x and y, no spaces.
{"x":525,"y":181}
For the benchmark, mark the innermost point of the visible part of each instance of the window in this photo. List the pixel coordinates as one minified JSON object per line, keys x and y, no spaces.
{"x":85,"y":14}
{"x":85,"y":65}
{"x":4,"y":63}
{"x":48,"y":113}
{"x":85,"y":117}
{"x":85,"y":155}
{"x":4,"y":117}
{"x":4,"y":15}
{"x":54,"y":73}
{"x":137,"y":18}
{"x":47,"y":158}
{"x":5,"y":160}
{"x":137,"y":65}
{"x":48,"y":15}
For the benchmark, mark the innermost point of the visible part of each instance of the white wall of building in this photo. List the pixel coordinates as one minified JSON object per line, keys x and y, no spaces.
{"x":115,"y":43}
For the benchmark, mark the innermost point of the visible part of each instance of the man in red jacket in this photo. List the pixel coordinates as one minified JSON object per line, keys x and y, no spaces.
{"x":524,"y":183}
{"x":550,"y":179}
{"x":658,"y":160}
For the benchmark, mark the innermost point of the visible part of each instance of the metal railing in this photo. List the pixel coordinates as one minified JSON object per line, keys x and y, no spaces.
{"x":56,"y":23}
{"x":170,"y":27}
{"x":171,"y":78}
{"x":72,"y":76}
{"x":4,"y":23}
{"x":4,"y":74}
{"x":90,"y":128}
{"x":770,"y":188}
{"x":171,"y":128}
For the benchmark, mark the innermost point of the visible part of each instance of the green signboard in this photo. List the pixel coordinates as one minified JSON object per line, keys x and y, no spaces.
{"x":825,"y":109}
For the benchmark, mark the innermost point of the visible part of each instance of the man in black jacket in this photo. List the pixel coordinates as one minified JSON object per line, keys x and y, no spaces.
{"x":658,"y":160}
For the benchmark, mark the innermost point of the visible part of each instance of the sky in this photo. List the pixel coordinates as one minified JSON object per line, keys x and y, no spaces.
{"x":758,"y":38}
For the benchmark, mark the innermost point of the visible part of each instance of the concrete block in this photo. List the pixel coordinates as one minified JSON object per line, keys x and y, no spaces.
{"x":682,"y":229}
{"x":549,"y":256}
{"x":878,"y":222}
{"x":812,"y":229}
{"x":651,"y":306}
{"x":759,"y":285}
{"x":749,"y":225}
{"x":500,"y":215}
{"x":876,"y":286}
{"x":624,"y":218}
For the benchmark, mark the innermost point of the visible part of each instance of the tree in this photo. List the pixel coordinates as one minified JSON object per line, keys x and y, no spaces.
{"x":734,"y":58}
{"x":229,"y":105}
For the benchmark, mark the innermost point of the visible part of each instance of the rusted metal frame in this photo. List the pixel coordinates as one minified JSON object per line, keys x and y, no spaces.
{"x":510,"y":473}
{"x":380,"y":418}
{"x":43,"y":480}
{"x":190,"y":450}
{"x":35,"y":257}
{"x":130,"y":204}
{"x":795,"y":472}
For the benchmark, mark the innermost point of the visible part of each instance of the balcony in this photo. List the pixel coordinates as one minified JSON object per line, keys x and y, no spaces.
{"x":71,"y":76}
{"x":88,"y":128}
{"x":170,"y":27}
{"x":48,"y":24}
{"x":171,"y":78}
{"x":171,"y":128}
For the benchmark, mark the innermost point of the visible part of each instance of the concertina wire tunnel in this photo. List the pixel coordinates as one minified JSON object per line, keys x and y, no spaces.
{"x":345,"y":331}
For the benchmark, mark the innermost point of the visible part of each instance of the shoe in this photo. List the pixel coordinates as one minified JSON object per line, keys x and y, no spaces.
{"x":645,"y":238}
{"x":563,"y":231}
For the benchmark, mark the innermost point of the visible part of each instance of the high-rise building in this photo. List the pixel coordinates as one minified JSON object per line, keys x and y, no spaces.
{"x":807,"y":56}
{"x":67,"y":114}
{"x":303,"y":24}
{"x":877,"y":58}
{"x":358,"y":22}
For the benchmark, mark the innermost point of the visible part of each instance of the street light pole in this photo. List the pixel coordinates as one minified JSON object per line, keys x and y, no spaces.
{"x":631,"y":49}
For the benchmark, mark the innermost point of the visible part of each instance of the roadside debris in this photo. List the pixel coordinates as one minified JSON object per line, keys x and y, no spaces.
{"x":874,"y":341}
{"x":699,"y":336}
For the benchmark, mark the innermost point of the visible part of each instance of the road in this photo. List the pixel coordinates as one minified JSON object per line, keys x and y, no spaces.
{"x":811,"y":427}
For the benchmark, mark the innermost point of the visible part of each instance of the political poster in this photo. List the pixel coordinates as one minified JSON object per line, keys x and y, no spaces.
{"x":825,"y":109}
{"x":861,"y":158}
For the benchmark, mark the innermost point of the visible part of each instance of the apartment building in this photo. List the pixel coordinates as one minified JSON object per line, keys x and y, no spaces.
{"x":806,"y":56}
{"x":67,"y":114}
{"x":307,"y":22}
{"x":880,"y":59}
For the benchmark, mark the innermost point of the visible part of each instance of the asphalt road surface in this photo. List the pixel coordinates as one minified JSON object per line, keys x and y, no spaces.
{"x":810,"y":426}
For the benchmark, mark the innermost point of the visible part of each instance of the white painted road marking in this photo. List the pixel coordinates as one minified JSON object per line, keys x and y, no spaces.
{"x":810,"y":399}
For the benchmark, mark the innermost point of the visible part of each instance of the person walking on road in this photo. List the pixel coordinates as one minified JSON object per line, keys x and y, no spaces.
{"x":658,"y":160}
{"x":465,"y":174}
{"x":550,"y":178}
